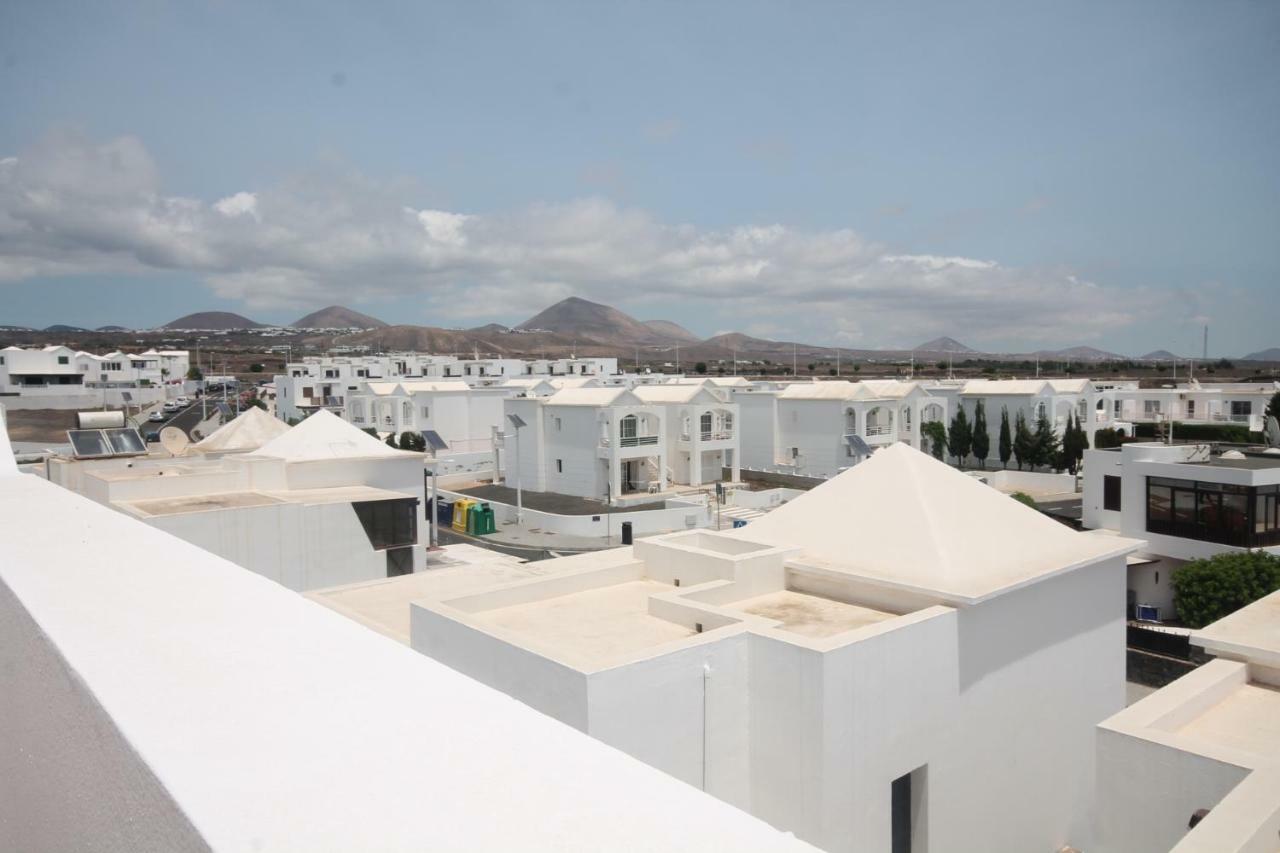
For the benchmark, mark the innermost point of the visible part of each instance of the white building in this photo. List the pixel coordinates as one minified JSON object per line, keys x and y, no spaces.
{"x":1185,"y":502}
{"x":464,"y":416}
{"x":805,"y":427}
{"x":321,"y":504}
{"x":901,"y":659}
{"x":59,"y":377}
{"x":154,"y":696}
{"x":1056,"y":399}
{"x":1243,"y":403}
{"x":591,"y":442}
{"x":1207,"y":743}
{"x":701,"y":430}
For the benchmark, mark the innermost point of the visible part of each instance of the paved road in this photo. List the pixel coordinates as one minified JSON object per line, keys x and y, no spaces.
{"x":183,"y":420}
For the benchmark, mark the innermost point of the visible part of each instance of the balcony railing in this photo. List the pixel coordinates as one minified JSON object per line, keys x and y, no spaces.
{"x":722,"y":435}
{"x":637,"y":440}
{"x":878,"y":429}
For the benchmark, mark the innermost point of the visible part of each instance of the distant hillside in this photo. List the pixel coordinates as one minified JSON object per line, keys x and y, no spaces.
{"x":490,"y":329}
{"x":212,"y":320}
{"x":592,"y":321}
{"x":1080,"y":354}
{"x":111,"y":329}
{"x":1270,"y":354}
{"x":669,"y":330}
{"x":338,"y":317}
{"x":59,"y":327}
{"x":944,"y":344}
{"x":1159,"y":355}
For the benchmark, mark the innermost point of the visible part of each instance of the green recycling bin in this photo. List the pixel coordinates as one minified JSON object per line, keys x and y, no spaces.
{"x":485,"y":523}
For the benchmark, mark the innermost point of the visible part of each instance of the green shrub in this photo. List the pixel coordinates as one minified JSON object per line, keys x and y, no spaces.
{"x":1023,"y":497}
{"x":1204,"y":591}
{"x":1232,"y":433}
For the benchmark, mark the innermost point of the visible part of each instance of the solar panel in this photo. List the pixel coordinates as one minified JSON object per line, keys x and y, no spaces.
{"x":104,"y":443}
{"x":126,"y":442}
{"x":224,"y":409}
{"x":89,"y":443}
{"x":857,"y":445}
{"x":126,"y":396}
{"x":433,"y":440}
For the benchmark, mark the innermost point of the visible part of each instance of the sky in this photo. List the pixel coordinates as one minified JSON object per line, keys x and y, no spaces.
{"x":1019,"y":175}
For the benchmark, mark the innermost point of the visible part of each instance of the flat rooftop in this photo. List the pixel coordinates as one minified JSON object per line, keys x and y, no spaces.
{"x":1247,"y":719}
{"x":1251,"y":633}
{"x":384,"y":605}
{"x":811,"y":615}
{"x":590,"y":629}
{"x":155,"y":507}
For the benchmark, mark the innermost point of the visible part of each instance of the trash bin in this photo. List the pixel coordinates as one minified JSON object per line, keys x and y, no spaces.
{"x":484,"y":519}
{"x":626,"y":533}
{"x":475,"y":513}
{"x":444,"y":513}
{"x":460,"y":509}
{"x":739,"y":522}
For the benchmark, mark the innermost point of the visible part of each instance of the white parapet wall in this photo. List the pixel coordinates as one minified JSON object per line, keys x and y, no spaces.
{"x":156,"y":697}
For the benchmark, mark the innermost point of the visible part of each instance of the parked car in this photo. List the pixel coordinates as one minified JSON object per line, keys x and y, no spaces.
{"x":183,"y":401}
{"x":171,"y":407}
{"x":156,"y":417}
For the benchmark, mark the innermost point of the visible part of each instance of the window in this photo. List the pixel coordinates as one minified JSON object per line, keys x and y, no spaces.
{"x":1191,"y":409}
{"x":1111,"y":493}
{"x":389,"y":524}
{"x":1119,"y":407}
{"x":62,"y":359}
{"x":426,"y":412}
{"x":627,"y":427}
{"x":705,"y":423}
{"x":406,"y":412}
{"x":1213,"y":512}
{"x":399,"y":562}
{"x":559,"y":466}
{"x":557,"y":424}
{"x":1241,"y":409}
{"x":1150,"y":408}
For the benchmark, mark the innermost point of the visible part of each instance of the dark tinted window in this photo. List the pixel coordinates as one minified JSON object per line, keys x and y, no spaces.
{"x":1111,"y":493}
{"x":389,"y":524}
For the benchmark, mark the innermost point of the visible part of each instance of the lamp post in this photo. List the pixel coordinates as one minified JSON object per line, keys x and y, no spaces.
{"x":517,"y":423}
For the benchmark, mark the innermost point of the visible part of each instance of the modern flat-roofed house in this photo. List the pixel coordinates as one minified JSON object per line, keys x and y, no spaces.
{"x":1186,"y":502}
{"x":589,"y":442}
{"x":900,"y":657}
{"x":156,"y":697}
{"x":59,"y":377}
{"x":702,"y":431}
{"x":317,"y":505}
{"x":1195,"y":766}
{"x":807,"y":428}
{"x":463,"y":415}
{"x":1243,"y":403}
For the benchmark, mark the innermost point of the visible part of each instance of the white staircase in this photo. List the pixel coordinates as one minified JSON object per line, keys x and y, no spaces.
{"x":741,"y":513}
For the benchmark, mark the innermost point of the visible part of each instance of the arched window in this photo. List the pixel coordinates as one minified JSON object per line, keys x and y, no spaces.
{"x":705,"y":421}
{"x":357,"y":411}
{"x":406,"y":412}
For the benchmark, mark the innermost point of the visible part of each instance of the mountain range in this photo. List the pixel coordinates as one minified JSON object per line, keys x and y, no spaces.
{"x":590,"y":328}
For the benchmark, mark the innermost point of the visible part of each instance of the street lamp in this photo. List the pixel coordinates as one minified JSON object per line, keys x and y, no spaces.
{"x":518,"y":423}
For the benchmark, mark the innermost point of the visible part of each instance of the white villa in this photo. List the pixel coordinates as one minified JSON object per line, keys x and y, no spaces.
{"x":58,"y":377}
{"x":464,"y":416}
{"x":702,"y":435}
{"x":316,"y":505}
{"x":1243,"y":403}
{"x":155,"y":696}
{"x":1195,"y":766}
{"x":591,"y":442}
{"x":1186,"y":503}
{"x":807,"y":428}
{"x":901,"y":659}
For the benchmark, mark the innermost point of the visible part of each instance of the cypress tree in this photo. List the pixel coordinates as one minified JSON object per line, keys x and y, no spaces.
{"x":1006,"y":440}
{"x":1024,"y":442}
{"x":981,"y":442}
{"x":960,"y":439}
{"x":1046,"y":444}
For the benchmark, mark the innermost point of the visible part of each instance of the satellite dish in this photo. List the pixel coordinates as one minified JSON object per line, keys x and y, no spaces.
{"x":1273,"y":431}
{"x":174,"y":440}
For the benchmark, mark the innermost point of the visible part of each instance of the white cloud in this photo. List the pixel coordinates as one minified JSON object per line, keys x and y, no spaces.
{"x":72,"y":205}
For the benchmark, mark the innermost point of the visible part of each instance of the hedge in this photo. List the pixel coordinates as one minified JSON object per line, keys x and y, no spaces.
{"x":1206,"y":590}
{"x":1231,"y":433}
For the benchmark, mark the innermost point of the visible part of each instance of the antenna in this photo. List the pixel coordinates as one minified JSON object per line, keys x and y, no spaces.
{"x":174,"y":440}
{"x":1205,"y":355}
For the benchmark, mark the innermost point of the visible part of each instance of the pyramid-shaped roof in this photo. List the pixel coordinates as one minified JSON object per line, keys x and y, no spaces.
{"x":324,"y":435}
{"x":905,"y":519}
{"x":249,"y":431}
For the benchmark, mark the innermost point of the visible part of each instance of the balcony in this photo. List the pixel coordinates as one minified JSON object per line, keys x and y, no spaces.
{"x":877,"y":430}
{"x":637,"y":440}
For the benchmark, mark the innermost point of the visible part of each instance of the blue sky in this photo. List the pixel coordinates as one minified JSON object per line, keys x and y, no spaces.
{"x":1015,"y":175}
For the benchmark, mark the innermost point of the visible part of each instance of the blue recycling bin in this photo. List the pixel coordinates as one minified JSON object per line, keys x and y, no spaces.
{"x":444,"y":513}
{"x":739,"y":522}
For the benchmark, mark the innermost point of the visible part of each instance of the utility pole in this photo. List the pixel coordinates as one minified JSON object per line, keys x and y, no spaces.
{"x":837,"y":362}
{"x":793,"y":360}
